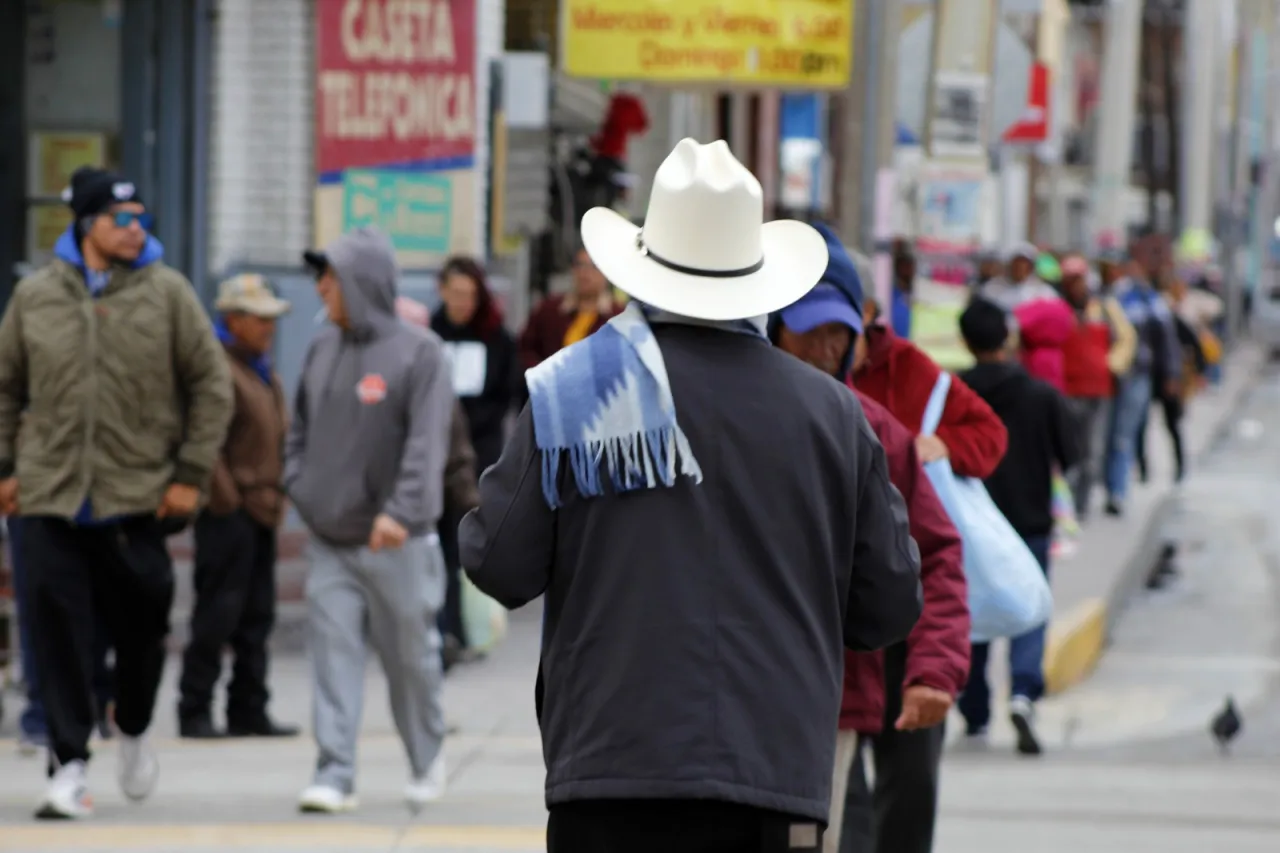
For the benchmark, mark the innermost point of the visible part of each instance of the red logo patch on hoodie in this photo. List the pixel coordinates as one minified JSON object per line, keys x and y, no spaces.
{"x":371,"y":389}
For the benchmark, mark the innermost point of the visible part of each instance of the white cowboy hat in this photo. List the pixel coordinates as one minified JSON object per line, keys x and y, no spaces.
{"x":704,"y":250}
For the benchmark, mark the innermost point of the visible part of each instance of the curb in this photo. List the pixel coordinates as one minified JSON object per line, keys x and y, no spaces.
{"x":1079,"y":637}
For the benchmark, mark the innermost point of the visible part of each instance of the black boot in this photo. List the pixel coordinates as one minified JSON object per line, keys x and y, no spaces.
{"x":262,"y":726}
{"x":198,"y":727}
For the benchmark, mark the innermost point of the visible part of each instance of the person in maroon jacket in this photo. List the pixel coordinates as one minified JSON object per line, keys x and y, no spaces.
{"x":895,"y":701}
{"x":566,"y":318}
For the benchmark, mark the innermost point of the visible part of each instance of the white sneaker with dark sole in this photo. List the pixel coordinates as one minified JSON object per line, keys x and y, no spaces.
{"x":67,"y":797}
{"x":1022,"y":713}
{"x":325,"y":799}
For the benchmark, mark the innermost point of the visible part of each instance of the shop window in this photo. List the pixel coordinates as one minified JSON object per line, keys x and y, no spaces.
{"x":71,"y":100}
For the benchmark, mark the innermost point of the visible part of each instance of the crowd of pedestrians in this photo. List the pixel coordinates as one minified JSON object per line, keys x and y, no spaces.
{"x":711,"y":459}
{"x":1145,"y":335}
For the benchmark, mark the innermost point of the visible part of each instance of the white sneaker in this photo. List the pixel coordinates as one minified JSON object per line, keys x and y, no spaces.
{"x":325,"y":799}
{"x":67,"y":797}
{"x":139,"y":769}
{"x":428,"y":788}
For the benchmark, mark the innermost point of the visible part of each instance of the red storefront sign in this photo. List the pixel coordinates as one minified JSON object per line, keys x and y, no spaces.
{"x":395,"y":84}
{"x":1033,"y":125}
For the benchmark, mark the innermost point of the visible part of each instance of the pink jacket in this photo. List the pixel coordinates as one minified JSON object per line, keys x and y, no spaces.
{"x":1044,"y":327}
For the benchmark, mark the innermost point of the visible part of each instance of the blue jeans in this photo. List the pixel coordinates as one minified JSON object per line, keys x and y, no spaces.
{"x":1128,"y":415}
{"x":1026,"y":660}
{"x":32,"y":722}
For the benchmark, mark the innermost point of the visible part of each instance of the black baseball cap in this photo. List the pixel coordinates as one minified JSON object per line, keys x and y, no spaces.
{"x":315,"y":260}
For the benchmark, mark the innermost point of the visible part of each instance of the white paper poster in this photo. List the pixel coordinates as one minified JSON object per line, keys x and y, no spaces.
{"x":470,"y":362}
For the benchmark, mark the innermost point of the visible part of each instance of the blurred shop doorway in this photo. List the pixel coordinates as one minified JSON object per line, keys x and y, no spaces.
{"x":95,"y":82}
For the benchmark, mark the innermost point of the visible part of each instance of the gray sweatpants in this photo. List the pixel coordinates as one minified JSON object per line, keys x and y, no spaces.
{"x":390,"y":598}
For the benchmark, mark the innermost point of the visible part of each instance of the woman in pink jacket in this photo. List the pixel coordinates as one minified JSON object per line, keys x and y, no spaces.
{"x":1044,"y":319}
{"x":1044,"y":327}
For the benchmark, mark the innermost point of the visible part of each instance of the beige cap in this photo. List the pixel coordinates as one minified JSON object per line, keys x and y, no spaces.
{"x":249,"y":293}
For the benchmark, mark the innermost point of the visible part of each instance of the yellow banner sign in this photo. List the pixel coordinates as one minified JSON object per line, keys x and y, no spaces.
{"x":804,"y":44}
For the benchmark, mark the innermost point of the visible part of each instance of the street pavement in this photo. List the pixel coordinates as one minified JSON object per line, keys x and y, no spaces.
{"x":1092,"y":585}
{"x":1130,"y":765}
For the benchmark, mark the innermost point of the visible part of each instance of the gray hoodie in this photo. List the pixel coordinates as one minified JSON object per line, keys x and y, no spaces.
{"x":370,"y":431}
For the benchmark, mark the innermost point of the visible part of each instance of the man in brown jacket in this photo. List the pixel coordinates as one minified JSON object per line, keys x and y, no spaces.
{"x":127,"y":397}
{"x":461,"y":495}
{"x":235,"y":577}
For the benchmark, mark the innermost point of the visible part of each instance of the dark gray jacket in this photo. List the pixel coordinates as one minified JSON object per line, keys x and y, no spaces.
{"x":695,"y":635}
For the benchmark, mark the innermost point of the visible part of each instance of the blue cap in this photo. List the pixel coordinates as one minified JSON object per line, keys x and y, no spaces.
{"x":826,"y":303}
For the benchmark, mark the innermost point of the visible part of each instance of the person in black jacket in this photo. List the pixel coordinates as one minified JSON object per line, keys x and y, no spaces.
{"x":710,"y":522}
{"x":483,"y":353}
{"x":1040,"y":425}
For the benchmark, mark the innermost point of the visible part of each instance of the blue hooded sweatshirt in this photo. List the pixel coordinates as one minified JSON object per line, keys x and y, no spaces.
{"x":68,"y":249}
{"x":841,"y":276}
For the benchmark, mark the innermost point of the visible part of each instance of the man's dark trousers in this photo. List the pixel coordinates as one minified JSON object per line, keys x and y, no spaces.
{"x":235,"y":585}
{"x":899,"y":815}
{"x":450,"y":619}
{"x":32,"y":722}
{"x":121,"y":573}
{"x":676,"y":826}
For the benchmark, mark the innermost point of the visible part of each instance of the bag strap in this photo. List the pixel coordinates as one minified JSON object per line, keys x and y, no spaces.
{"x":937,"y":402}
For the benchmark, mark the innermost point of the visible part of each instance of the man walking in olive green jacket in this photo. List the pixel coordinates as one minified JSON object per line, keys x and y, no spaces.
{"x":127,"y":398}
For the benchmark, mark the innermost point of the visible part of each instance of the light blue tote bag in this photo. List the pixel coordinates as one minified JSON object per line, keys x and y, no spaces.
{"x":1008,"y":593}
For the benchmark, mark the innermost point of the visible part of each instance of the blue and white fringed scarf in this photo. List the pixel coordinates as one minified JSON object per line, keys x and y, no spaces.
{"x":605,"y":402}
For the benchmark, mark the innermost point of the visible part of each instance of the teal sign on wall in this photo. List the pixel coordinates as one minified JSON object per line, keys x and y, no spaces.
{"x":414,"y":208}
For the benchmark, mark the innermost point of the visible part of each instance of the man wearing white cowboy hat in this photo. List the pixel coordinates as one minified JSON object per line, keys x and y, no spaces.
{"x":704,"y":572}
{"x":235,"y":536}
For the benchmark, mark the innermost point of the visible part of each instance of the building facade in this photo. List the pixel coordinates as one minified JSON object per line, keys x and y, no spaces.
{"x":284,"y":174}
{"x":99,"y":82}
{"x":214,"y":108}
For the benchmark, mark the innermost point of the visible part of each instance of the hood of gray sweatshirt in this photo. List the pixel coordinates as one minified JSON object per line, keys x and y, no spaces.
{"x":370,"y":431}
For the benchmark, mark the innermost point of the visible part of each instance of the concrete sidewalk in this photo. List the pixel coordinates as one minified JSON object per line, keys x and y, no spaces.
{"x":1114,"y":555}
{"x":239,"y":796}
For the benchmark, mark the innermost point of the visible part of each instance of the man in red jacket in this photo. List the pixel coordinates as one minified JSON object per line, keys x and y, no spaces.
{"x":896,"y":700}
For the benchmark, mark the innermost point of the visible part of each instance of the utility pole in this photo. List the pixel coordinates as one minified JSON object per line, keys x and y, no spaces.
{"x":1114,"y":147}
{"x":1051,"y":30}
{"x":1200,"y":37}
{"x":1252,"y":209}
{"x":1267,"y":209}
{"x":883,"y":26}
{"x":857,"y":124}
{"x":868,"y":115}
{"x":1248,"y":31}
{"x":851,"y":132}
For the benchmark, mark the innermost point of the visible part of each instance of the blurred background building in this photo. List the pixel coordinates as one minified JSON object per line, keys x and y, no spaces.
{"x":484,"y":127}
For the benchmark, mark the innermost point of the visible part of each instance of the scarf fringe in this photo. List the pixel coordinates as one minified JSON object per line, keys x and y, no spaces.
{"x":640,"y":460}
